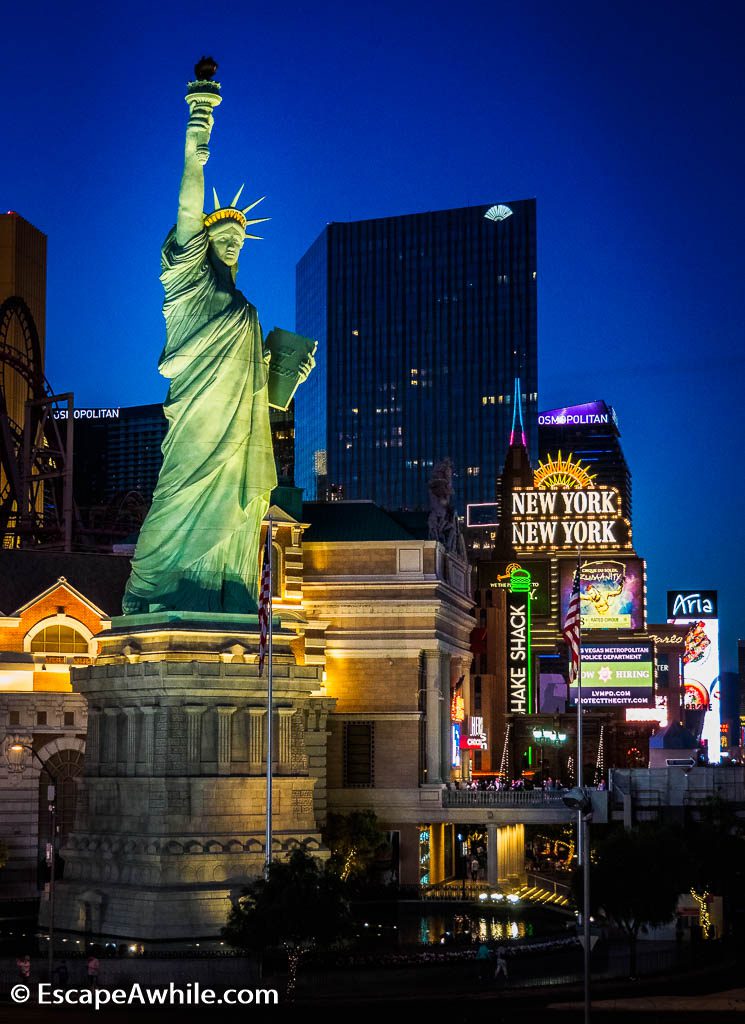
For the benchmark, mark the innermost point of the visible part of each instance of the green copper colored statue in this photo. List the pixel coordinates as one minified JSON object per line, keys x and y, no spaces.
{"x":198,"y":548}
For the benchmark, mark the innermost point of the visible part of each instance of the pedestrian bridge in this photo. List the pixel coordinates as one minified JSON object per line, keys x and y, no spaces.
{"x":516,"y":806}
{"x":437,"y":803}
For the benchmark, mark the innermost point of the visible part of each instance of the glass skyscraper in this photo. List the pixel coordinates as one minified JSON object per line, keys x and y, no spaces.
{"x":423,"y":323}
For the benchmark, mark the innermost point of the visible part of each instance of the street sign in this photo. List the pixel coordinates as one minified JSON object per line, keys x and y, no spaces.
{"x":680,"y":762}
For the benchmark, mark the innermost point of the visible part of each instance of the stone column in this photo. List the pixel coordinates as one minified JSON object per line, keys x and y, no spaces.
{"x":491,"y":854}
{"x":93,"y":741}
{"x":432,"y":706}
{"x":224,"y":724}
{"x":194,"y":714}
{"x":148,"y":739}
{"x":284,"y":744}
{"x":256,"y":738}
{"x":130,"y":766}
{"x":109,"y":752}
{"x":445,"y":731}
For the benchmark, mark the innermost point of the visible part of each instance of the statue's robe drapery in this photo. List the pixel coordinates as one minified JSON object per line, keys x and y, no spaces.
{"x":198,"y":548}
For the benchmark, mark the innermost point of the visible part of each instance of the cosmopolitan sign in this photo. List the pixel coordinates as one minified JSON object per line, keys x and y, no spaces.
{"x":589,"y":414}
{"x":519,"y":688}
{"x":87,"y":414}
{"x":566,"y":519}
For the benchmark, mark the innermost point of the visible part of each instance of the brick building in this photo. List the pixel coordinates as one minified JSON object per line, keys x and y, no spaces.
{"x":51,"y":608}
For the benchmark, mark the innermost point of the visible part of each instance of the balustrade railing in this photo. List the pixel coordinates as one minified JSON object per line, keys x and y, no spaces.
{"x":503,"y":798}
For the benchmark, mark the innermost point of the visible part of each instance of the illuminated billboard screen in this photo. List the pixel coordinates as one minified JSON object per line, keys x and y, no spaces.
{"x":616,"y":674}
{"x":590,"y":414}
{"x":611,"y":592}
{"x":482,"y":514}
{"x":496,"y":575}
{"x":552,"y":689}
{"x":700,"y":659}
{"x":562,"y":519}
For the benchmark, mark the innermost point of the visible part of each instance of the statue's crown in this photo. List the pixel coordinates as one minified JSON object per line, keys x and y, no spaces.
{"x":232,"y":212}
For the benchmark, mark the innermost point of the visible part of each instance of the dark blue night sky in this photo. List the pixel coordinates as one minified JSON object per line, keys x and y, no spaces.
{"x":624,"y":120}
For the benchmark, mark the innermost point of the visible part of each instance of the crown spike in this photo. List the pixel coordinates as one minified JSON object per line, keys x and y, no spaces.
{"x":259,"y":220}
{"x":258,"y":237}
{"x":217,"y":201}
{"x":249,"y":208}
{"x":238,"y":194}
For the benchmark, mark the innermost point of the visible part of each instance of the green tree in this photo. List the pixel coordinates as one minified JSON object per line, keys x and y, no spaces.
{"x":713,"y":857}
{"x":300,"y":905}
{"x":636,"y":877}
{"x":353,"y":839}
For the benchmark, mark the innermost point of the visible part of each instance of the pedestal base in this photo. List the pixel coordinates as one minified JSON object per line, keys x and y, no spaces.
{"x":171,"y":815}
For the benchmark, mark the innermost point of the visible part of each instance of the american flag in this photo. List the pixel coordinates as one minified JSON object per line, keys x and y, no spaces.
{"x":265,"y":598}
{"x":573,"y":627}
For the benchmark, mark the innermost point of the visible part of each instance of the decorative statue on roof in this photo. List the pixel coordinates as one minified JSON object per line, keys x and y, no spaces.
{"x":198,"y":548}
{"x":443,"y":523}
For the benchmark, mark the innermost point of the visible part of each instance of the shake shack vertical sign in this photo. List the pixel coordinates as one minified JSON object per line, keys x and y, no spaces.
{"x":518,"y":646}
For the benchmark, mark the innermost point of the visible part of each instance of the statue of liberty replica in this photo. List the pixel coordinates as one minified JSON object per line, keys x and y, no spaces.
{"x":198,"y":548}
{"x":200,"y":764}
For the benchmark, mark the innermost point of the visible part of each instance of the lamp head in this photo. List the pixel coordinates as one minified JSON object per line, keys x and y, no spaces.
{"x":578,"y":800}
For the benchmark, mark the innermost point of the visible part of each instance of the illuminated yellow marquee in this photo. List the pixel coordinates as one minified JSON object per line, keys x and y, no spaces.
{"x":562,"y":473}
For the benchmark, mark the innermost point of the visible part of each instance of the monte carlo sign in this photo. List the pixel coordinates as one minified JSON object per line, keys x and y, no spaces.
{"x":564,"y":519}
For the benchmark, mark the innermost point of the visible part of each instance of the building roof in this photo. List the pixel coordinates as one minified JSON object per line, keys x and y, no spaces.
{"x":24,"y":575}
{"x":358,"y":521}
{"x":673,"y":737}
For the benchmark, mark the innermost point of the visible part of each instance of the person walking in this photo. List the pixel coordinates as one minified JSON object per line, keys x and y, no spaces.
{"x":482,"y":962}
{"x":23,"y":963}
{"x":474,"y":869}
{"x":500,"y":971}
{"x":93,"y":969}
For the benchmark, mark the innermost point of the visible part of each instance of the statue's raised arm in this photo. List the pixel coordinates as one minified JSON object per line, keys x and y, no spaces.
{"x":191,"y":193}
{"x":203,"y":96}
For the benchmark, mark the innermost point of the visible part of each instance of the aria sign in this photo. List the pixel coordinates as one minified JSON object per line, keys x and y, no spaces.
{"x":692,"y":604}
{"x":562,"y":520}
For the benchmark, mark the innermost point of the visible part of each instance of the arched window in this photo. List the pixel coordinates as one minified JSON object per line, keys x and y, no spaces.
{"x":62,"y":770}
{"x":59,"y":640}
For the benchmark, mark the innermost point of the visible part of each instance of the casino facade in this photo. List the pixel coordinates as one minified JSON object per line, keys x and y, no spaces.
{"x":549,"y":518}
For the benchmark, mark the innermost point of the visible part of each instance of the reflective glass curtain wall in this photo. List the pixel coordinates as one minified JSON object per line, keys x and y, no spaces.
{"x":423,"y":323}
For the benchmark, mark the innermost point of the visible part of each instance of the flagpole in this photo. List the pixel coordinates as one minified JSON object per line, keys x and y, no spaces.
{"x":269,"y":723}
{"x":583,"y":832}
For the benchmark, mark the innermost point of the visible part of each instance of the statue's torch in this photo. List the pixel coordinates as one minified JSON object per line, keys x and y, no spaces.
{"x":203,"y":95}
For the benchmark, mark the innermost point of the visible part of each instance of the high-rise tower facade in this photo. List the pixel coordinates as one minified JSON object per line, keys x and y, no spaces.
{"x":590,"y":433}
{"x":23,"y":286}
{"x":423,"y":322}
{"x":23,"y":275}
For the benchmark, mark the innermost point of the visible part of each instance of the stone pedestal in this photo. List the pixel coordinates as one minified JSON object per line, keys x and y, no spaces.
{"x":170,"y":821}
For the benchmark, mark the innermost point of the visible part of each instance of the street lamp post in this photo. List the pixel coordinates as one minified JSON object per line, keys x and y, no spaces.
{"x":16,"y":764}
{"x":579,"y":800}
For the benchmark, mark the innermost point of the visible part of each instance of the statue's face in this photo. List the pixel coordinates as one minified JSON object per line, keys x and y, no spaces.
{"x":226,"y":239}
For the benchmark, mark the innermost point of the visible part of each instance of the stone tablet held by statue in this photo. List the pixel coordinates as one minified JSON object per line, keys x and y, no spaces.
{"x":288,"y":366}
